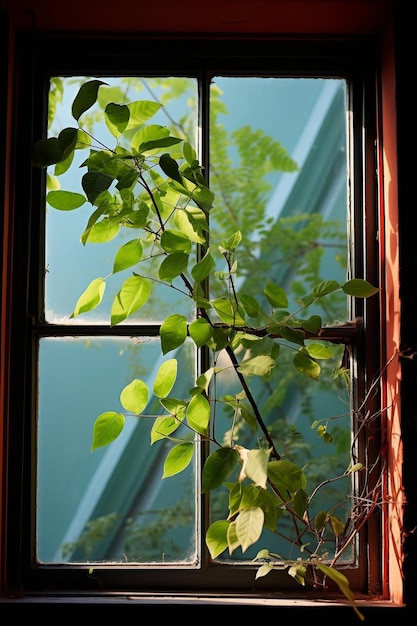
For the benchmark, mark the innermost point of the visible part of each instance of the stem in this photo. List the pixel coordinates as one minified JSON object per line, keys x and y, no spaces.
{"x":252,"y":402}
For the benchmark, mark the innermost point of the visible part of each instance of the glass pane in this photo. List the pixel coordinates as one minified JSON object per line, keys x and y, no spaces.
{"x":71,"y":264}
{"x":279,"y":171}
{"x":278,"y":168}
{"x":109,"y":504}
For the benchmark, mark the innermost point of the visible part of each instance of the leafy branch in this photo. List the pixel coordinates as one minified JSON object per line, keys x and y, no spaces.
{"x":151,"y":183}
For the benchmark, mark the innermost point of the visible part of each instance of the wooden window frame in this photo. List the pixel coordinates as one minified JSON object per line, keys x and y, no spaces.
{"x":63,"y":578}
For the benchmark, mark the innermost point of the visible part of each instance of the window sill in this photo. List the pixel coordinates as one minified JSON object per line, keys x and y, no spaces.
{"x":200,"y":600}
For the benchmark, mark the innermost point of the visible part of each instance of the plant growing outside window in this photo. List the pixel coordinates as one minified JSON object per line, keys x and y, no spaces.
{"x":197,"y":308}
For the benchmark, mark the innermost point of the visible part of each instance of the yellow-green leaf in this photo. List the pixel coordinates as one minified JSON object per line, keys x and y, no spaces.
{"x":65,"y":200}
{"x":198,"y":414}
{"x":107,"y":428}
{"x":359,"y":288}
{"x":319,"y":351}
{"x":133,"y":295}
{"x":129,"y":254}
{"x":178,"y":458}
{"x":200,"y":331}
{"x":175,"y":241}
{"x":216,"y":538}
{"x":260,"y":365}
{"x":91,"y":297}
{"x":165,"y":378}
{"x":102,"y":231}
{"x":163,"y":427}
{"x":134,"y":397}
{"x":343,"y":584}
{"x":306,"y":365}
{"x":173,"y":332}
{"x":172,"y":266}
{"x":202,"y":269}
{"x":232,"y":538}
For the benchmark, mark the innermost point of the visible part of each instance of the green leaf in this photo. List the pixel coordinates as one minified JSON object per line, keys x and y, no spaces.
{"x":178,"y":458}
{"x":216,"y":537}
{"x":312,"y":324}
{"x":306,"y":365}
{"x":325,"y":287}
{"x":163,"y":427}
{"x":173,"y":332}
{"x":192,"y":223}
{"x":90,"y":298}
{"x":85,"y":98}
{"x":134,"y":293}
{"x":94,"y":183}
{"x":359,"y":288}
{"x":343,"y":584}
{"x":200,"y":331}
{"x":300,"y":502}
{"x":172,"y":266}
{"x":232,"y":538}
{"x":203,"y":381}
{"x":65,"y":200}
{"x":249,"y":526}
{"x":63,"y":166}
{"x":175,"y":241}
{"x":198,"y":414}
{"x":164,"y":142}
{"x":337,"y":525}
{"x":175,"y":406}
{"x":102,"y":231}
{"x":298,"y":572}
{"x":252,"y":495}
{"x":320,"y":520}
{"x":148,"y":135}
{"x":169,"y":166}
{"x":134,"y":397}
{"x":293,"y":334}
{"x":55,"y":149}
{"x":232,"y":243}
{"x":319,"y":351}
{"x":189,"y":153}
{"x":107,"y":428}
{"x":250,"y":305}
{"x":218,"y":467}
{"x":165,"y":378}
{"x":203,"y":268}
{"x":117,"y":118}
{"x":286,"y":476}
{"x":276,"y":296}
{"x":129,"y":254}
{"x":260,"y":365}
{"x":227,"y":312}
{"x":141,"y":111}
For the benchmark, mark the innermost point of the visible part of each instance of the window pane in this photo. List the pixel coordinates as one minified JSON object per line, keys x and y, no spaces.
{"x":278,"y":168}
{"x":109,"y":504}
{"x":71,"y":264}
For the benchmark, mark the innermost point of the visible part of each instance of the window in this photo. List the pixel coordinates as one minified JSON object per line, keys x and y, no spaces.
{"x":303,"y":127}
